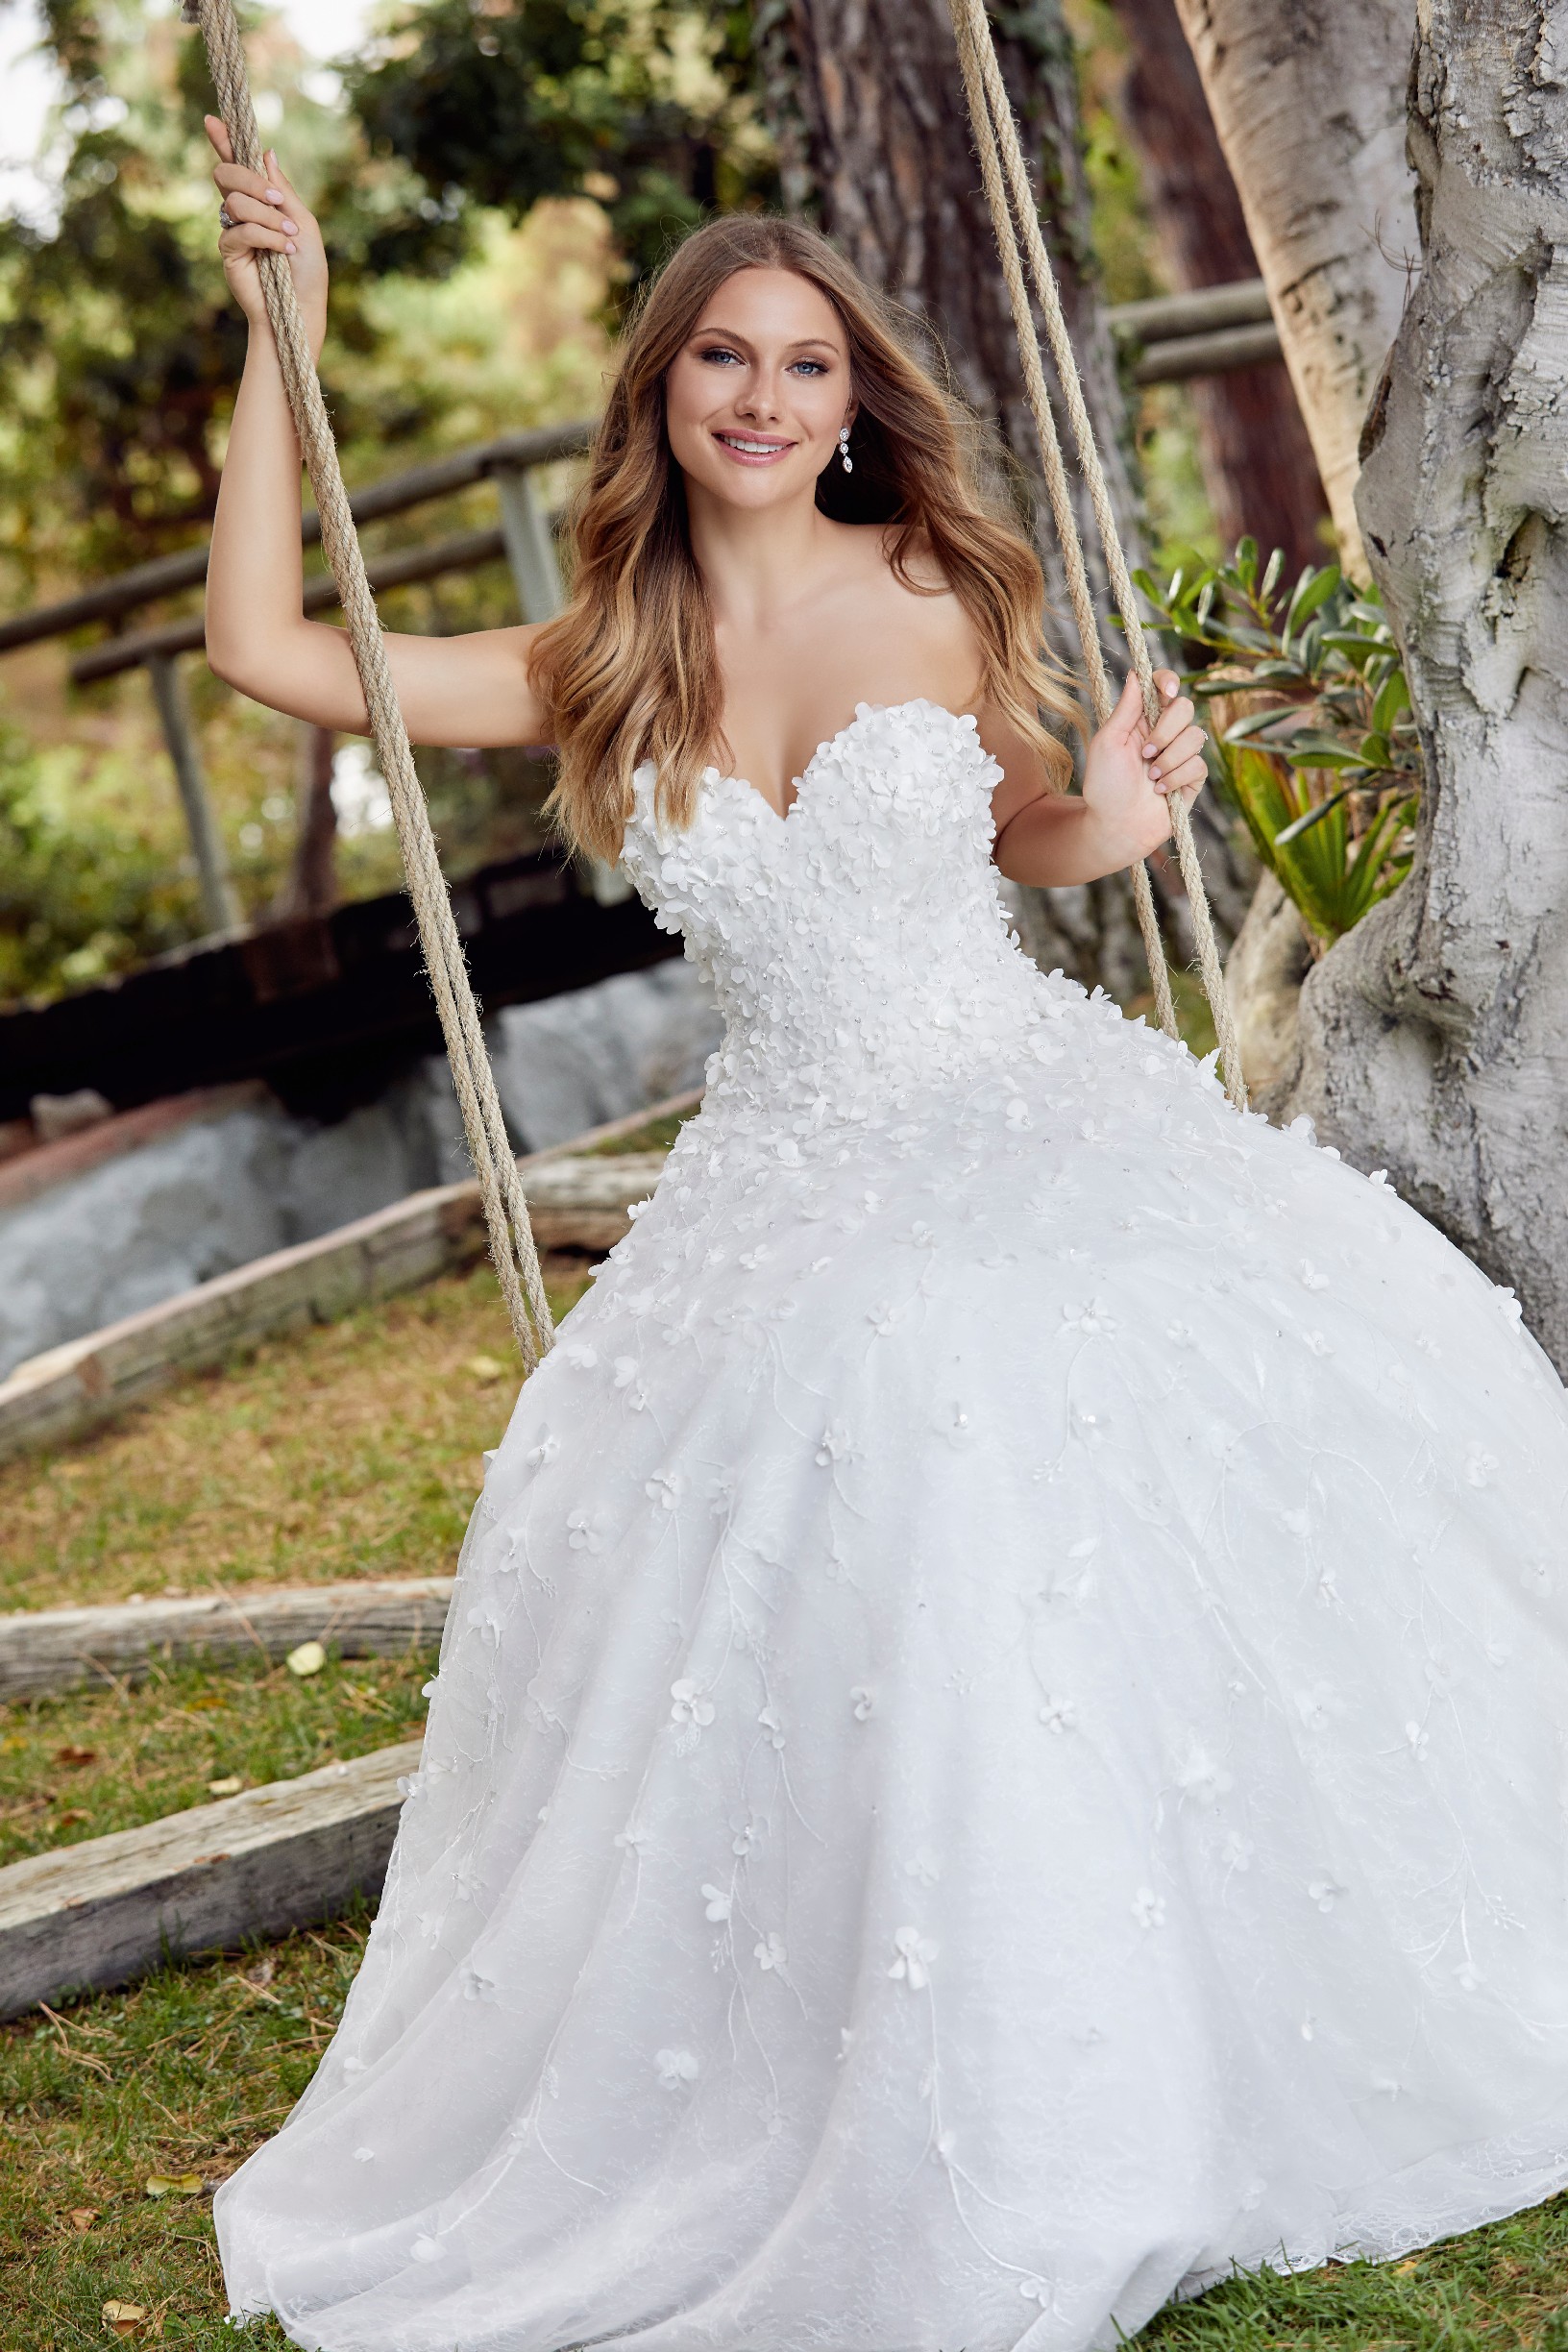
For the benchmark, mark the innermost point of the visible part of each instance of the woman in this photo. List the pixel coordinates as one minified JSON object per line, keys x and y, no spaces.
{"x":996,"y":1753}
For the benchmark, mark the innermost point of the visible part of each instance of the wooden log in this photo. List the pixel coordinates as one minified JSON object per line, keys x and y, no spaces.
{"x":581,"y":1201}
{"x":45,"y":1651}
{"x":102,"y":1913}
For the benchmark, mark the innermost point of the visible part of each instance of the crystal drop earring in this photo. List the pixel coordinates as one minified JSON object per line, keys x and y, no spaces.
{"x":844,"y":458}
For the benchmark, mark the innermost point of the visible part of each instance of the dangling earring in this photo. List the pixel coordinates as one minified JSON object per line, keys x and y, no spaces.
{"x":844,"y":458}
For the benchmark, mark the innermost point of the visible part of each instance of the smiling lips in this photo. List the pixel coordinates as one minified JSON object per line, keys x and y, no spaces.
{"x":753,"y":449}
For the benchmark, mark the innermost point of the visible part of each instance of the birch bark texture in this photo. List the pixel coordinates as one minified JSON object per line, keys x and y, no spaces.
{"x":1434,"y":1039}
{"x":1309,"y":100}
{"x":866,"y":104}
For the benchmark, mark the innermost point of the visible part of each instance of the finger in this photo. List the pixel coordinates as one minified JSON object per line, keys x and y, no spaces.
{"x":1174,"y":720}
{"x":1126,"y":720}
{"x":217,"y":130}
{"x":1167,"y":683}
{"x":275,"y":175}
{"x":1188,"y":744}
{"x":252,"y":208}
{"x":233,"y":180}
{"x":247,"y":237}
{"x":1189,"y":779}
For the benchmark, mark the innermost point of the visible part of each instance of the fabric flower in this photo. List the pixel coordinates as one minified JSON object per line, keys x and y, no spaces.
{"x":914,"y":1954}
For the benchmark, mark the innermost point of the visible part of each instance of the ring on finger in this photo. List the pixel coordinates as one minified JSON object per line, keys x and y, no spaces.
{"x":225,"y":217}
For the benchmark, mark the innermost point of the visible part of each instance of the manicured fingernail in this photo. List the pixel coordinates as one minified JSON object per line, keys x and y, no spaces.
{"x":1148,"y":750}
{"x":272,"y":195}
{"x":291,"y":247}
{"x":1171,"y":688}
{"x":292,"y":227}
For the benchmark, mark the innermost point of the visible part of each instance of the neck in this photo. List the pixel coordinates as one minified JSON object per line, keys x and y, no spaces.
{"x":754,"y":565}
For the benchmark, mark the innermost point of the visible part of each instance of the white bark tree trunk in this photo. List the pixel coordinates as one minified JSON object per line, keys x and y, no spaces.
{"x":1435,"y":1037}
{"x":1309,"y":99}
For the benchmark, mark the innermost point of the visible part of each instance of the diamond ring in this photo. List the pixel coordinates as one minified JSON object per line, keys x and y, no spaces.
{"x":226,"y":216}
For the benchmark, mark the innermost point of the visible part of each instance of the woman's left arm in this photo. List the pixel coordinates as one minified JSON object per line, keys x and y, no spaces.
{"x":1050,"y":839}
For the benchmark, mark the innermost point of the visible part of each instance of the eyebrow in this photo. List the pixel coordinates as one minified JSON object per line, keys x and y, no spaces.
{"x":732,"y":334}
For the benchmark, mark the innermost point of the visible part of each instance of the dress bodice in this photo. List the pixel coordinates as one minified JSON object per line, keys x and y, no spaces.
{"x":858,"y":947}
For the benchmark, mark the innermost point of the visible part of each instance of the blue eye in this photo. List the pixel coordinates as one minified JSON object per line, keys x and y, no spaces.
{"x":719,"y":355}
{"x":815,"y":366}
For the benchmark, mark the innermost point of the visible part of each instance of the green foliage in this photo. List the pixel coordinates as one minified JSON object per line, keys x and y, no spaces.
{"x":81,"y":893}
{"x":1315,"y":741}
{"x":644,"y":105}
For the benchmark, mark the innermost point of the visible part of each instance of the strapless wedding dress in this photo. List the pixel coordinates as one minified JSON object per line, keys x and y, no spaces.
{"x":999,"y":1750}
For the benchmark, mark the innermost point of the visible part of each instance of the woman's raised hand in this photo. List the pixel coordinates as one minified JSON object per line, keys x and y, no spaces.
{"x":1133,"y":768}
{"x":265,"y":215}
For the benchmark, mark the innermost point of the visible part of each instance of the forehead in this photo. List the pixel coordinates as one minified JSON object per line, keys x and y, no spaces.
{"x":773,"y":306}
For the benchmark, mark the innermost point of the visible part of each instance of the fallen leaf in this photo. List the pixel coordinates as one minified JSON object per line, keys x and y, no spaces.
{"x":76,"y":1756}
{"x":308,"y":1659}
{"x":229,"y":1786}
{"x":194,"y":1706}
{"x":123,"y":2318}
{"x":174,"y":2183}
{"x":67,"y":1821}
{"x":1404,"y":2268}
{"x":261,"y":1972}
{"x":485,"y":1367}
{"x":83,"y":2217}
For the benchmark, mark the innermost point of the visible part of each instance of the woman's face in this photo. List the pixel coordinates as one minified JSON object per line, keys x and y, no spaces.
{"x":754,"y":401}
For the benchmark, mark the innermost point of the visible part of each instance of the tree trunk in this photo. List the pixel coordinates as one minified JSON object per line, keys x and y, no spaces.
{"x":866,"y":102}
{"x":1258,"y":463}
{"x":1309,"y":99}
{"x":1432,"y":1036}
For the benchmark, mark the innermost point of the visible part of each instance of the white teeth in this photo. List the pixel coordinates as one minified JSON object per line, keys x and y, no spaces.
{"x":753,"y":449}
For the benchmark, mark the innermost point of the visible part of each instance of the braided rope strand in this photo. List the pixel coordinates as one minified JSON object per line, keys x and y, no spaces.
{"x":1013,"y":208}
{"x":1080,"y":595}
{"x":505,"y":1208}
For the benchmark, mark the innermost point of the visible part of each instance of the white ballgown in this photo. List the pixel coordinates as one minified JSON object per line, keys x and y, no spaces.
{"x":999,"y":1750}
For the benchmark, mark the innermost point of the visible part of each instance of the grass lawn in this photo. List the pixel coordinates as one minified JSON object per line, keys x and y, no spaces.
{"x":351,"y":1449}
{"x":78,"y":1765}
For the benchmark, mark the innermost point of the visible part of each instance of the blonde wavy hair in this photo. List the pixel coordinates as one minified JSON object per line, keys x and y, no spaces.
{"x":629,"y":670}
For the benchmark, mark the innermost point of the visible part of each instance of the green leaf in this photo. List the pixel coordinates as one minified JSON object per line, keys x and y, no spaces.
{"x":1271,"y":575}
{"x":1308,"y":749}
{"x":1393,"y":696}
{"x":1255,"y":720}
{"x":1311,"y":590}
{"x":1246,"y":562}
{"x":1315,"y":816}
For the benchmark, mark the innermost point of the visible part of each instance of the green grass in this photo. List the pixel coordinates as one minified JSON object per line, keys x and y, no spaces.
{"x":88,"y":1762}
{"x":352,"y":1449}
{"x":188,"y":2071}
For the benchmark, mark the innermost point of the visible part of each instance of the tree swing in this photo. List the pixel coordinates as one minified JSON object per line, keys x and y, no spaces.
{"x":1006,"y":180}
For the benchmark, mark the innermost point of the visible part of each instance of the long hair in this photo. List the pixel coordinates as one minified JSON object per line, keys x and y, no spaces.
{"x":629,"y":670}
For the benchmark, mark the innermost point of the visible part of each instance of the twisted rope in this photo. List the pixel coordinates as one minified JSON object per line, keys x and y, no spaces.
{"x":1005,"y":177}
{"x":505,"y":1209}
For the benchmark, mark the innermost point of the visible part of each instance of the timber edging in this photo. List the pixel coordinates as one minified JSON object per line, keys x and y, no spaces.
{"x":84,"y":1918}
{"x":576,"y":1202}
{"x":46,"y":1651}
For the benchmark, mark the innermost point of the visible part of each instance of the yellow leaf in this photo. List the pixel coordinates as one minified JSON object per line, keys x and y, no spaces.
{"x":83,"y":2217}
{"x":486,"y":1367}
{"x":308,"y":1659}
{"x":229,"y":1786}
{"x":174,"y":2183}
{"x":123,"y":2318}
{"x":1404,"y":2268}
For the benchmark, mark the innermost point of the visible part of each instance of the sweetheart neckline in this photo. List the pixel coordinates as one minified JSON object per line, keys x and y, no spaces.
{"x":830,"y":742}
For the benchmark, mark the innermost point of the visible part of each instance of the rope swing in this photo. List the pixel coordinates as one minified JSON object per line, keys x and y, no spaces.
{"x":1013,"y":209}
{"x":501,"y":1188}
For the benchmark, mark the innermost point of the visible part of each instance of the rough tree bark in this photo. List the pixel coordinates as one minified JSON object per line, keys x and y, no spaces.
{"x":1307,"y":97}
{"x":1435,"y":1037}
{"x":1258,"y":463}
{"x":866,"y":108}
{"x":311,"y":885}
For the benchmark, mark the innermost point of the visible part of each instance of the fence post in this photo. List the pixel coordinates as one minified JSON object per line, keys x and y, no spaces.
{"x":530,"y":548}
{"x":536,"y":575}
{"x":221,"y":910}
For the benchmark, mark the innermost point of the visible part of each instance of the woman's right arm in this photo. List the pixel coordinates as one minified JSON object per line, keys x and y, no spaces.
{"x":467,"y":690}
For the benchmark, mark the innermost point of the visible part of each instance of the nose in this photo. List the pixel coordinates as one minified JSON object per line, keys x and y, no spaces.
{"x":760,"y":397}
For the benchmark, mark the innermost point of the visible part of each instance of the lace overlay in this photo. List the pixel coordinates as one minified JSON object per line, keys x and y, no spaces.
{"x":998,"y":1748}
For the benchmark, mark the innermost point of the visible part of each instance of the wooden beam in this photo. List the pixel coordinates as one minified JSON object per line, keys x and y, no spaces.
{"x":103,"y":1912}
{"x":170,"y":573}
{"x":1200,"y":311}
{"x":46,"y":1651}
{"x":1208,"y":354}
